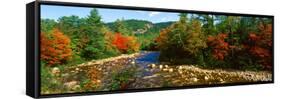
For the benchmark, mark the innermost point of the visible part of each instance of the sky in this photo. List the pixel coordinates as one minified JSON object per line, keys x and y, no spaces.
{"x":108,"y":15}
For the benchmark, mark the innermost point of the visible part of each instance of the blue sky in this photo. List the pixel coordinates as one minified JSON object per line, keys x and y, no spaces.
{"x":108,"y":15}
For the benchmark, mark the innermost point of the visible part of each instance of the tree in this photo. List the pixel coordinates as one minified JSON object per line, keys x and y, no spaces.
{"x":121,"y":27}
{"x":208,"y":22}
{"x":47,"y":25}
{"x":95,"y":36}
{"x":120,"y":42}
{"x":195,"y":41}
{"x":71,"y":25}
{"x":55,"y":48}
{"x":183,"y":39}
{"x":260,"y":45}
{"x":125,"y":44}
{"x":219,"y":46}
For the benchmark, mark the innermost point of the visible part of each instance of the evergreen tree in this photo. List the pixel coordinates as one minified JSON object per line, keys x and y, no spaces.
{"x":121,"y":27}
{"x":96,"y":43}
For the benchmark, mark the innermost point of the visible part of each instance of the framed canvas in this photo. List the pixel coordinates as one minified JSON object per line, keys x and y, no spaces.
{"x":85,"y":49}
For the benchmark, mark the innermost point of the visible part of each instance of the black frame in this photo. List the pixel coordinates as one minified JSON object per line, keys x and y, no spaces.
{"x":33,"y":80}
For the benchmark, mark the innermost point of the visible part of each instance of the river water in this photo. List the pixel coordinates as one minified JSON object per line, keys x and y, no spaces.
{"x":146,"y":58}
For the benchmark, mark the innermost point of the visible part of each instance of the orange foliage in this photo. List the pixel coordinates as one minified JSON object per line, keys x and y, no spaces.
{"x":220,"y":47}
{"x":95,"y":76}
{"x":120,"y":42}
{"x":56,"y":48}
{"x":125,"y":43}
{"x":162,"y":38}
{"x":133,"y":44}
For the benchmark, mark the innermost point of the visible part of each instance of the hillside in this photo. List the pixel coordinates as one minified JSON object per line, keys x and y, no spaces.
{"x":141,"y":26}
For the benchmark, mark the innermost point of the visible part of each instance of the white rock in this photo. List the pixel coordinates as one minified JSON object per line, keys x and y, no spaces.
{"x":70,"y":84}
{"x":206,"y":78}
{"x":195,"y":79}
{"x":100,"y":69}
{"x":76,"y":87}
{"x":180,"y":67}
{"x":221,"y":80}
{"x":171,"y":70}
{"x":133,"y":62}
{"x":55,"y":70}
{"x":98,"y":81}
{"x":77,"y":69}
{"x":180,"y":72}
{"x":153,"y":65}
{"x":160,"y":66}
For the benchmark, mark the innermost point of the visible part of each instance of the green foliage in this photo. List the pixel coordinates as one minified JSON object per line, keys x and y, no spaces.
{"x":130,"y":24}
{"x":47,"y":25}
{"x":182,"y":40}
{"x":50,"y":83}
{"x":121,"y":79}
{"x":95,"y":42}
{"x":121,"y":27}
{"x":71,"y":25}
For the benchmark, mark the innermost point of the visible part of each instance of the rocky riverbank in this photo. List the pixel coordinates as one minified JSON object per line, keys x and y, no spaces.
{"x":184,"y":75}
{"x":102,"y":72}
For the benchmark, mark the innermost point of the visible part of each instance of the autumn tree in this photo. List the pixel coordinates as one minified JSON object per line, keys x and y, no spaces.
{"x":195,"y":41}
{"x":125,"y":44}
{"x":181,"y":40}
{"x":55,"y":48}
{"x":260,"y":45}
{"x":219,"y":46}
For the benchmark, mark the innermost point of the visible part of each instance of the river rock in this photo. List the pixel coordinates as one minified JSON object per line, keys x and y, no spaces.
{"x":171,"y":70}
{"x":160,"y":66}
{"x":206,"y":78}
{"x":77,"y":69}
{"x":165,"y":69}
{"x":194,"y":79}
{"x":152,"y":76}
{"x":70,"y":84}
{"x":76,"y":87}
{"x":180,"y":67}
{"x":133,"y":62}
{"x":153,"y":65}
{"x":55,"y":71}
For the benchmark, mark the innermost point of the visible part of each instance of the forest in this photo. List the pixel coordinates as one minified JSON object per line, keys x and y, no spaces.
{"x":81,"y":54}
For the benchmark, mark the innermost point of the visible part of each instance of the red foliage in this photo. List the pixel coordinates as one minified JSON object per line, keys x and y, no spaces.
{"x":260,"y":52}
{"x":120,"y":42}
{"x":253,"y":37}
{"x":56,"y":48}
{"x":125,"y":43}
{"x":219,"y":46}
{"x":261,"y":45}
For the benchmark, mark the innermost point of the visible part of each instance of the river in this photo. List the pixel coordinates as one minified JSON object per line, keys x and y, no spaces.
{"x":145,"y":59}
